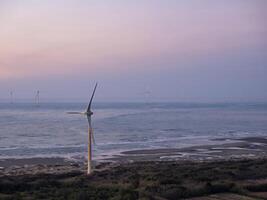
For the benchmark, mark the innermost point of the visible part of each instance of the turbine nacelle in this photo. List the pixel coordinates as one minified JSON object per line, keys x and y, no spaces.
{"x":89,"y":113}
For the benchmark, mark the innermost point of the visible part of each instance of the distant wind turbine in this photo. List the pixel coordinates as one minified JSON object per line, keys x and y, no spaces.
{"x":37,"y":98}
{"x":88,"y":114}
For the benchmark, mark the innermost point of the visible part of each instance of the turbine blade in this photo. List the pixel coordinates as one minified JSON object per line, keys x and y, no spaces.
{"x":90,"y":103}
{"x":75,"y":113}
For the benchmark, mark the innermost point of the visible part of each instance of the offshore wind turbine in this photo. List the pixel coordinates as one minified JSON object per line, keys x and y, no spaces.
{"x":88,"y":113}
{"x":37,"y":98}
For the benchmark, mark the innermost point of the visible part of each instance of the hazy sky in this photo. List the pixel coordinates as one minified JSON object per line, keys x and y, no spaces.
{"x":138,"y":50}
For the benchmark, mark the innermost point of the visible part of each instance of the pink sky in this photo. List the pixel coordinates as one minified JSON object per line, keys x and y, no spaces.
{"x":47,"y":39}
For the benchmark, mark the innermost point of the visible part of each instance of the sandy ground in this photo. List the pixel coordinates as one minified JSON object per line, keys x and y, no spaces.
{"x":251,"y":147}
{"x":32,"y":161}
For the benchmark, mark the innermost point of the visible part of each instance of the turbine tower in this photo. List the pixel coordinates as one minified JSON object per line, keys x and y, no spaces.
{"x":88,"y":113}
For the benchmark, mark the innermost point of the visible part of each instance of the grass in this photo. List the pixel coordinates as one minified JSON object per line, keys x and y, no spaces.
{"x":141,"y":180}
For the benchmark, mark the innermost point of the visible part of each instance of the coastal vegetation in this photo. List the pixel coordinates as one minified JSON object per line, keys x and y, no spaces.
{"x":143,"y":180}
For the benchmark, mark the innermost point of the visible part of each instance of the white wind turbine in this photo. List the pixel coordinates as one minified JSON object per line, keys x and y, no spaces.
{"x":37,"y":98}
{"x":88,"y":113}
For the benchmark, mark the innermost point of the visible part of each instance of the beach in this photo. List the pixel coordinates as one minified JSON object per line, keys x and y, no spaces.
{"x":236,"y":170}
{"x":250,"y":147}
{"x":243,"y":148}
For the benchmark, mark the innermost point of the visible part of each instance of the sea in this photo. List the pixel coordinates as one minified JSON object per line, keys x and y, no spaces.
{"x":28,"y":130}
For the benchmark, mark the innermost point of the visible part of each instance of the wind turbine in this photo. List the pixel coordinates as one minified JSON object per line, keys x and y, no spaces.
{"x":37,"y":98}
{"x":88,"y":113}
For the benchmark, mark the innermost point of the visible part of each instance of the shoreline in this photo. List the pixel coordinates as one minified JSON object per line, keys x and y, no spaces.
{"x":249,"y":147}
{"x":252,"y":148}
{"x":254,"y":145}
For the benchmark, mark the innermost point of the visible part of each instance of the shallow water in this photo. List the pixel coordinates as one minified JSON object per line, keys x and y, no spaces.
{"x":47,"y":131}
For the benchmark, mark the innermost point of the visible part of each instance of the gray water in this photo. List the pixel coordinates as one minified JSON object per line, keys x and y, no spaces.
{"x":47,"y":131}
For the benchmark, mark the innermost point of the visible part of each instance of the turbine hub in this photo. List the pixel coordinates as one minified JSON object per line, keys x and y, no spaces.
{"x":89,"y":113}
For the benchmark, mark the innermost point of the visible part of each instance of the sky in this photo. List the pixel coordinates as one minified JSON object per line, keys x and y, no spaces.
{"x":137,"y":50}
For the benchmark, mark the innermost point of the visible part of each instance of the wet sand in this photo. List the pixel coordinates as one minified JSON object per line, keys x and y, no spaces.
{"x":251,"y":147}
